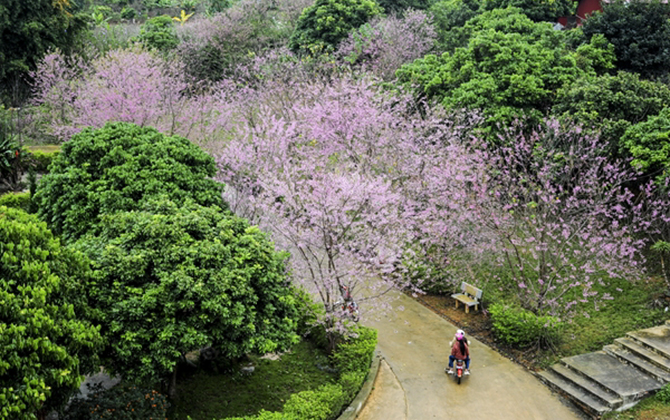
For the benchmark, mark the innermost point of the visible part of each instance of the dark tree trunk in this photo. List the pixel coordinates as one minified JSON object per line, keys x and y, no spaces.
{"x":172,"y":387}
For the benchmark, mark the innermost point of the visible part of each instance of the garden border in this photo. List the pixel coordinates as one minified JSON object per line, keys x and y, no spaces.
{"x":355,"y":407}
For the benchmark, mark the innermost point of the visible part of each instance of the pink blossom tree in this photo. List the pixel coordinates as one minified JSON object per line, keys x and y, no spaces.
{"x":563,"y":218}
{"x":383,"y":45}
{"x":330,"y":179}
{"x":128,"y":85}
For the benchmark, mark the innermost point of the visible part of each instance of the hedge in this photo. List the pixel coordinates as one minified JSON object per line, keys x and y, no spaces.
{"x":521,"y":328}
{"x":42,"y":159}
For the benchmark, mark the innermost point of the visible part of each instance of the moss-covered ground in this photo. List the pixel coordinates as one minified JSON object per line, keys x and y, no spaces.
{"x":207,"y":395}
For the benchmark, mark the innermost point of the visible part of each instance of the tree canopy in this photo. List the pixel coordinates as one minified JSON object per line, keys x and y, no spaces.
{"x":322,"y":26}
{"x":611,"y":104}
{"x":510,"y":67}
{"x":173,"y":277}
{"x":114,"y":169}
{"x":28,"y":29}
{"x":640,"y":33}
{"x":536,"y":10}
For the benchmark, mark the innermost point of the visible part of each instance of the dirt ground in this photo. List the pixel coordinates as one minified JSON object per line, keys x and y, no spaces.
{"x":478,"y":325}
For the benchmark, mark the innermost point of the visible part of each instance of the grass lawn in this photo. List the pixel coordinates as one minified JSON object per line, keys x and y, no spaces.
{"x":208,"y":395}
{"x":629,"y":310}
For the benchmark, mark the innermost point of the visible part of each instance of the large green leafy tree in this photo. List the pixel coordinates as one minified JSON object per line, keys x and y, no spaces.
{"x":172,"y":278}
{"x":511,"y":68}
{"x":640,"y":32}
{"x":28,"y":29}
{"x":116,"y":168}
{"x":449,"y":16}
{"x":611,"y":104}
{"x":46,"y":342}
{"x":323,"y":25}
{"x":398,"y":6}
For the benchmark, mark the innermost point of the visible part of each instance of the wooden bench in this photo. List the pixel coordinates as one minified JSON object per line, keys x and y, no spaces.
{"x":469,"y":296}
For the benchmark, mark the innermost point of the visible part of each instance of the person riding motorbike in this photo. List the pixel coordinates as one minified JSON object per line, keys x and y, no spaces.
{"x":460,"y":350}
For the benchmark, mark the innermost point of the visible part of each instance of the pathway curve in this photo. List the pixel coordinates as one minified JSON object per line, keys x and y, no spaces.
{"x":412,"y":384}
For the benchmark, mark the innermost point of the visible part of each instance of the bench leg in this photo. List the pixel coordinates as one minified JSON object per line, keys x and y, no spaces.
{"x":477,"y":307}
{"x":467,"y":309}
{"x":456,"y":303}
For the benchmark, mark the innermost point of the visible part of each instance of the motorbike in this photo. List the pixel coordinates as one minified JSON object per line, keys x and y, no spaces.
{"x":459,"y":367}
{"x":350,"y":308}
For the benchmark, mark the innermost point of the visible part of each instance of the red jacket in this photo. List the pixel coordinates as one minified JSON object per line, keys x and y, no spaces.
{"x":456,"y":350}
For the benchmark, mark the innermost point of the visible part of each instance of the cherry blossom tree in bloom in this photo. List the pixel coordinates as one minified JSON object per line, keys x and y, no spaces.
{"x":128,"y":85}
{"x":331,"y":184}
{"x":564,"y":218}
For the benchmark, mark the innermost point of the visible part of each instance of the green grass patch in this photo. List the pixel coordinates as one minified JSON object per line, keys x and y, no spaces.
{"x":594,"y":327}
{"x":208,"y":395}
{"x":630,"y":310}
{"x":648,"y":409}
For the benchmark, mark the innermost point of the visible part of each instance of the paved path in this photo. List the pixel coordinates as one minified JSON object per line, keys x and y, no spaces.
{"x":412,"y":385}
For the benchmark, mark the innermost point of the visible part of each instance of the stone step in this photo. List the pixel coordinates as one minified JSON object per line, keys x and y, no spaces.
{"x":585,"y":400}
{"x":641,"y":363}
{"x":656,"y":339}
{"x":607,"y":397}
{"x":644,"y":352}
{"x":629,"y":383}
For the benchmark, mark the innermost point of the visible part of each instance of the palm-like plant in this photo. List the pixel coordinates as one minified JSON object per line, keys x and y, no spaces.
{"x":183,"y":18}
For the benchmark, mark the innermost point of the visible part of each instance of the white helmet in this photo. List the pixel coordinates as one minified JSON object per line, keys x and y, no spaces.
{"x":460,"y":334}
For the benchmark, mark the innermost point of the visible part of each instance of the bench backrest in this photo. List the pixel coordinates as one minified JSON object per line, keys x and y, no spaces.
{"x":471,"y":290}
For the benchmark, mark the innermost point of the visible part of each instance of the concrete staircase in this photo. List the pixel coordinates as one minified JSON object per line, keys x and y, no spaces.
{"x":617,"y":377}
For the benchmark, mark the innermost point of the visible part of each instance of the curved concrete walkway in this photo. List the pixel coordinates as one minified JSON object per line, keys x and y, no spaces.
{"x":412,"y":385}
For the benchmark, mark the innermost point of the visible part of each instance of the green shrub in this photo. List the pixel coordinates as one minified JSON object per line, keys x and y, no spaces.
{"x":46,"y":339}
{"x":640,"y":33}
{"x":118,"y":403}
{"x":351,"y":383}
{"x":128,"y":13}
{"x":649,"y":144}
{"x":319,"y":404}
{"x":663,"y":395}
{"x":159,"y":33}
{"x":322,"y":26}
{"x":41,"y":159}
{"x":518,"y":327}
{"x":19,"y":200}
{"x":118,"y":167}
{"x":355,"y":355}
